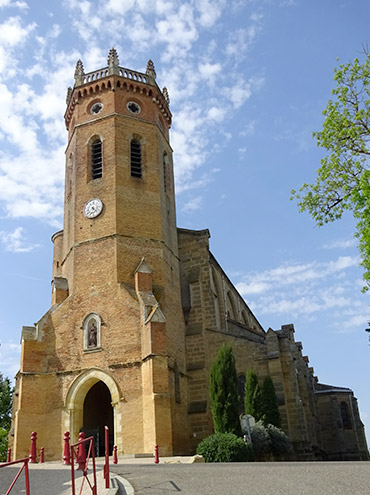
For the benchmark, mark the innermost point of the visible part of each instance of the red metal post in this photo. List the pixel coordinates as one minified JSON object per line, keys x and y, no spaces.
{"x":27,"y":478}
{"x":26,"y":474}
{"x":73,"y":471}
{"x":81,"y":452}
{"x":9,"y":455}
{"x":66,"y":450}
{"x":156,"y":454}
{"x":106,"y":464}
{"x":115,"y":458}
{"x":42,"y":455}
{"x":91,"y":452}
{"x":33,"y":454}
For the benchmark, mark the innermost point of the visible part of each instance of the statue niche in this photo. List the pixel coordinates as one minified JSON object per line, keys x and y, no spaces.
{"x":92,"y":331}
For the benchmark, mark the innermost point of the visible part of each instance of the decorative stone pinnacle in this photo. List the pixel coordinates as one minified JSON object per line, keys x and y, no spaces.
{"x":79,"y":72}
{"x":166,"y":95}
{"x":113,"y":61}
{"x":150,"y":70}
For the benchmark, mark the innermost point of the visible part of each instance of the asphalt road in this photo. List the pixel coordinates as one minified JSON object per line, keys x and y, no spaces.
{"x":45,"y":479}
{"x":293,"y":478}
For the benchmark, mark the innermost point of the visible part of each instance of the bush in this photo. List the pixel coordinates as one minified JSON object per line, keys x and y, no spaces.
{"x":225,"y":447}
{"x":270,"y":443}
{"x":261,"y":441}
{"x":281,"y":446}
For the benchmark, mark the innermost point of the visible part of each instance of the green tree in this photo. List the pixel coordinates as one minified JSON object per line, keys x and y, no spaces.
{"x":343,"y":180}
{"x":6,"y":395}
{"x":223,"y":392}
{"x":253,"y":396}
{"x":270,"y":408}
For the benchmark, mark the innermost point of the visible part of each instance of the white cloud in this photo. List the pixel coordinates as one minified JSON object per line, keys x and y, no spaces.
{"x":303,"y":289}
{"x":239,"y":93}
{"x":10,"y":354}
{"x":359,"y":320}
{"x":208,"y":71}
{"x":341,"y":263}
{"x":254,"y":287}
{"x":240,"y":40}
{"x":340,"y":244}
{"x":210,"y":11}
{"x":217,"y":114}
{"x":193,"y":205}
{"x":12,"y":33}
{"x":16,"y":242}
{"x":248,"y":129}
{"x":179,"y":31}
{"x":33,"y":191}
{"x":288,"y":274}
{"x":119,"y":6}
{"x":82,"y":5}
{"x":9,"y":3}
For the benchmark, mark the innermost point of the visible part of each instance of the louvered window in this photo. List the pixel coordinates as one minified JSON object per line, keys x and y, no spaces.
{"x":136,"y":159}
{"x":96,"y":160}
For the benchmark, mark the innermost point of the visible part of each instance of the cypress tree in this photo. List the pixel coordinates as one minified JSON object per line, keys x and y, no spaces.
{"x":224,"y":393}
{"x":253,"y":396}
{"x":6,"y":394}
{"x":270,"y":408}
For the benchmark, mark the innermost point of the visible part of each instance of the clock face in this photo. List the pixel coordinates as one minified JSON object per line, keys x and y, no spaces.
{"x":93,"y":208}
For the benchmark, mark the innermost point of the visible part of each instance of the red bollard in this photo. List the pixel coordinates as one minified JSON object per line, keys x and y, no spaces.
{"x":81,"y":452}
{"x":42,"y":455}
{"x":106,"y":463}
{"x":156,"y":455}
{"x":115,"y":458}
{"x":33,"y":454}
{"x":66,"y":450}
{"x":9,"y":455}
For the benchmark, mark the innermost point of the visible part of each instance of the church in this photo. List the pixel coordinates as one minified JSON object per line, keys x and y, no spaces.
{"x":139,"y":307}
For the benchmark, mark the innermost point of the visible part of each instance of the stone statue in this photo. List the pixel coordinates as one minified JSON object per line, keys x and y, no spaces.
{"x":93,"y":336}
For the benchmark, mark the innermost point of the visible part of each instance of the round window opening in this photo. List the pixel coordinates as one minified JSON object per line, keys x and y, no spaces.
{"x":133,"y":107}
{"x":96,"y":108}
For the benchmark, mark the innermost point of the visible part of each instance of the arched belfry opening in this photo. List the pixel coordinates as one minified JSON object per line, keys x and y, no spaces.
{"x":98,"y":413}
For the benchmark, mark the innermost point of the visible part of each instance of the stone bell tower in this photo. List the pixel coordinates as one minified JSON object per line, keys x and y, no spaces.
{"x":111,"y":349}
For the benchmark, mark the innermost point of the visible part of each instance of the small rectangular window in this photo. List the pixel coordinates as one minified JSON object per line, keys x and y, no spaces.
{"x":96,"y":160}
{"x":136,"y":159}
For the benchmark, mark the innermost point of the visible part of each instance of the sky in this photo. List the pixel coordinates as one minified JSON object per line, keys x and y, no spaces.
{"x":248,"y":81}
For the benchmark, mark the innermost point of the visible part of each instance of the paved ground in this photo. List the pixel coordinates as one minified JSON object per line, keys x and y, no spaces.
{"x":335,"y":478}
{"x":294,"y":478}
{"x":51,"y":478}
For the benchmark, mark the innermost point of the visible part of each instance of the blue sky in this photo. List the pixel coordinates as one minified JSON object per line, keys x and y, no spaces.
{"x":248,"y":81}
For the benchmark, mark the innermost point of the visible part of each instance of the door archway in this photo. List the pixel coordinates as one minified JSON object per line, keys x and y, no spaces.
{"x":82,"y":389}
{"x":98,"y":413}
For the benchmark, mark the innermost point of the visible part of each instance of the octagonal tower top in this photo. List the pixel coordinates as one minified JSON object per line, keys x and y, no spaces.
{"x":114,"y":76}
